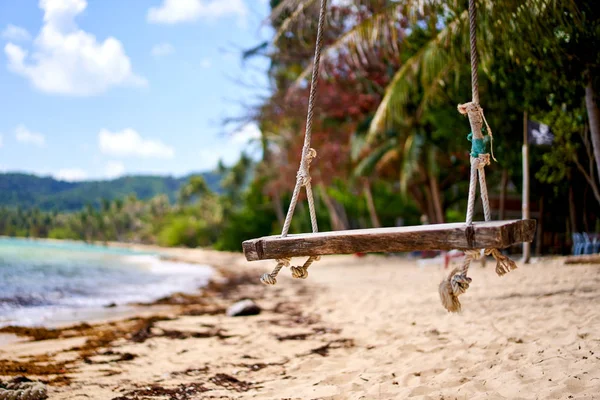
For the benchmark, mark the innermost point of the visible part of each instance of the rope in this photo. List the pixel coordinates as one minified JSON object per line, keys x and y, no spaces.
{"x":23,"y":391}
{"x":271,"y":279}
{"x":474,"y":58}
{"x":303,"y":175}
{"x":484,"y":159}
{"x":472,"y":189}
{"x":457,"y":281}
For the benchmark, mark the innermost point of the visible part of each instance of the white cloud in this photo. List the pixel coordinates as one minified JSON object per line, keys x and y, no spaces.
{"x":205,"y":63}
{"x":114,"y":169}
{"x":162,"y":49}
{"x":15,"y":33}
{"x":24,"y":135}
{"x":210,"y":157}
{"x":174,"y":11}
{"x":71,"y":175}
{"x":67,"y":60}
{"x":230,"y":151}
{"x":246,"y":133}
{"x":129,"y":143}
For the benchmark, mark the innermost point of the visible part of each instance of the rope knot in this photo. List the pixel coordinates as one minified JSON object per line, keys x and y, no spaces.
{"x":302,"y":272}
{"x":453,"y":286}
{"x":457,"y":282}
{"x":477,"y":120}
{"x":303,"y":177}
{"x":460,"y":283}
{"x":271,"y":279}
{"x":469,"y":107}
{"x":481,"y":161}
{"x":503,"y":263}
{"x":303,"y":174}
{"x":299,"y":272}
{"x":484,"y":160}
{"x":267,"y":279}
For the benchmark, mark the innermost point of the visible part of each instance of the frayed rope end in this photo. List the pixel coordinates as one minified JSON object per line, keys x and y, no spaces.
{"x":450,"y":288}
{"x":503,"y":263}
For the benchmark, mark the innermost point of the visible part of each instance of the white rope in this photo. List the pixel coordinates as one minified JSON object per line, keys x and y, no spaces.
{"x":457,"y":281}
{"x":303,"y":175}
{"x":484,"y":159}
{"x":472,"y":189}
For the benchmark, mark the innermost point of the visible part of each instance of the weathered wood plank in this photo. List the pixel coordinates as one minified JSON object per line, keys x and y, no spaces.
{"x":583,"y":259}
{"x":494,"y":234}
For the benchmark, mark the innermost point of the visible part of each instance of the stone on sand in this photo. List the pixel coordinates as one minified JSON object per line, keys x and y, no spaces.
{"x":243,"y":307}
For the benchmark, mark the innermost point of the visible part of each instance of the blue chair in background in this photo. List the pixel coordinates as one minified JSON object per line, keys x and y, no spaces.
{"x":578,"y":244}
{"x":596,"y":244}
{"x":588,"y":246}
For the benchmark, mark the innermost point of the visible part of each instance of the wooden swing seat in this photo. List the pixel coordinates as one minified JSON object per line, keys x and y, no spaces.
{"x":492,"y":234}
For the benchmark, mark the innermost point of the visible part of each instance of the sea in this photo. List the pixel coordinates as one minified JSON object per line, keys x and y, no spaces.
{"x":52,"y":283}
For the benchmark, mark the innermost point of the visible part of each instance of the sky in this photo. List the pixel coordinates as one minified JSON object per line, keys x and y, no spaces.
{"x":97,"y":89}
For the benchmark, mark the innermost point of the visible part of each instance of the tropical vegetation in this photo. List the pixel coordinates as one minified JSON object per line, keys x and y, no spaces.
{"x":392,"y":148}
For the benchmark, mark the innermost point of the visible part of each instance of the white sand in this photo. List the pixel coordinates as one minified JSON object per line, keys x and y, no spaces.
{"x":532,"y":334}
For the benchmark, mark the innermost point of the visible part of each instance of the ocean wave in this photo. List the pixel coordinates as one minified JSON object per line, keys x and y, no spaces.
{"x":46,"y":283}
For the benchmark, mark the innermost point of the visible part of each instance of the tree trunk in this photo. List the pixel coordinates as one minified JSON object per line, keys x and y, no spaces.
{"x":525,"y":193}
{"x":342,"y":215}
{"x":336,"y":223}
{"x":417,"y":196}
{"x":540,"y":229}
{"x":572,"y":212}
{"x":371,"y":204}
{"x":503,"y":183}
{"x":584,"y":213}
{"x":436,"y":198}
{"x":278,"y":206}
{"x":430,"y":207}
{"x":594,"y":117}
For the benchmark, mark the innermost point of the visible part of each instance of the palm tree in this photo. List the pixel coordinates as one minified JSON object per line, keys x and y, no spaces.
{"x":505,"y":25}
{"x":196,"y":187}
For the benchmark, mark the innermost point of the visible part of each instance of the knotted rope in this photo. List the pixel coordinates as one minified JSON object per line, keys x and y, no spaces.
{"x":457,"y":281}
{"x":303,"y":176}
{"x":23,"y":391}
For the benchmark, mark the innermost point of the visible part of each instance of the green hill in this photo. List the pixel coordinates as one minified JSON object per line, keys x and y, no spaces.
{"x":28,"y":191}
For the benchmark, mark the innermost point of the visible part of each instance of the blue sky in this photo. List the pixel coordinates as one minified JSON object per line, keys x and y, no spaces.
{"x":101,"y":88}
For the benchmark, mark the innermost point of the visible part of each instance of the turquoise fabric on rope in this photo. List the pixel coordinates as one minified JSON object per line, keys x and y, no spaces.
{"x":478,"y":145}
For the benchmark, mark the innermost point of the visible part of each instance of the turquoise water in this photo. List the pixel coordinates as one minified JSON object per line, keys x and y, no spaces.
{"x":45,"y":283}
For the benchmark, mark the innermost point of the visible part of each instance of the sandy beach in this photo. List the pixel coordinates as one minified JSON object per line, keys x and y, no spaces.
{"x":357,"y":328}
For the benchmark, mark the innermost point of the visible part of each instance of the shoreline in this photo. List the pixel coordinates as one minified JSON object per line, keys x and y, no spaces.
{"x":66,"y":317}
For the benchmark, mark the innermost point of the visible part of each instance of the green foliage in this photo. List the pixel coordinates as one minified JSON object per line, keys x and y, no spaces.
{"x":394,"y":82}
{"x":184,"y":231}
{"x":254,"y":218}
{"x":63,"y":233}
{"x":560,"y":157}
{"x":455,"y":216}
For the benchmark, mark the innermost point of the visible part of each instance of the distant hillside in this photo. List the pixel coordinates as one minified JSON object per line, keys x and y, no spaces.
{"x":27,"y":191}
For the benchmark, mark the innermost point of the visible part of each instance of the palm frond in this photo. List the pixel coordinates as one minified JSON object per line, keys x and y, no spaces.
{"x":300,"y":6}
{"x":427,"y":66}
{"x":410,"y":160}
{"x":286,"y":6}
{"x":374,"y":159}
{"x":358,"y":42}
